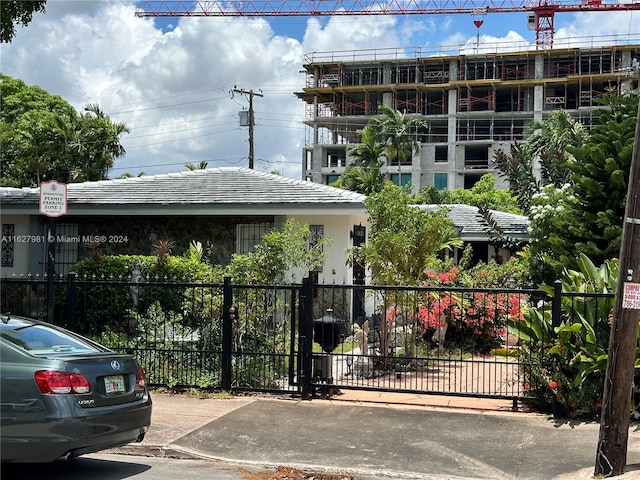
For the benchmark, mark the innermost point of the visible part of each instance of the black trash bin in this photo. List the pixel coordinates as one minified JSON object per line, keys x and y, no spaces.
{"x":328,"y":333}
{"x":328,"y":330}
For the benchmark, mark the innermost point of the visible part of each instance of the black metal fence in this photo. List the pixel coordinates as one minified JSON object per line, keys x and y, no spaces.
{"x":305,"y":338}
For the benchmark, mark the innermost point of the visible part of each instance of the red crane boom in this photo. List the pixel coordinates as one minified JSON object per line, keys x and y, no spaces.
{"x":544,"y":10}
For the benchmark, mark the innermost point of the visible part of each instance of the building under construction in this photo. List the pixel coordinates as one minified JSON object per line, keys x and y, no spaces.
{"x":473,"y":102}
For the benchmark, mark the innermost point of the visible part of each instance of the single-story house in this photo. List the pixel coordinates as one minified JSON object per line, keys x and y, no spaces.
{"x":226,"y":209}
{"x":474,"y":230}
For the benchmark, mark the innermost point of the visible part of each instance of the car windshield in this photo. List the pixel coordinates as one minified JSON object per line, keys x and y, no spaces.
{"x":40,"y":339}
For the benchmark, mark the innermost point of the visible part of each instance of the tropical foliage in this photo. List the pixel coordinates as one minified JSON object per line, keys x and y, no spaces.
{"x":578,"y":206}
{"x":363,"y":173}
{"x":44,"y":138}
{"x":566,"y":363}
{"x":17,"y":12}
{"x":282,"y":255}
{"x":403,"y":240}
{"x":482,"y":194}
{"x":518,"y":167}
{"x":389,"y":136}
{"x":549,"y":140}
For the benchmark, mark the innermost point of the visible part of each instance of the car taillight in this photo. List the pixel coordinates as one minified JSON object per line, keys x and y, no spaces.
{"x":58,"y":383}
{"x":141,"y":381}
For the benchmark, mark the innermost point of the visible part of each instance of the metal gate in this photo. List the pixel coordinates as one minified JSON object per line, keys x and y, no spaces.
{"x":421,"y":340}
{"x":300,"y":339}
{"x":261,"y":342}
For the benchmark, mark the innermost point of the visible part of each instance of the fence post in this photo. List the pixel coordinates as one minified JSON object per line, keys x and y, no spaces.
{"x":227,"y":333}
{"x":306,"y":337}
{"x":71,"y":301}
{"x":556,"y":305}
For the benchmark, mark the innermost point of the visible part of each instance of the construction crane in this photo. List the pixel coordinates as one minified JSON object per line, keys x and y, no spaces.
{"x":541,"y":13}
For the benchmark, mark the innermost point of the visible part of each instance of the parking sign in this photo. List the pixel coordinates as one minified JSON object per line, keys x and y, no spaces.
{"x":53,"y":199}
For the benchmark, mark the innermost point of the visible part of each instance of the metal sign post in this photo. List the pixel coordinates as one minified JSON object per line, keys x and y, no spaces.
{"x":53,"y":204}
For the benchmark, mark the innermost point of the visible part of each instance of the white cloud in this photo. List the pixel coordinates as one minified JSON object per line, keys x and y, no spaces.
{"x":582,"y":26}
{"x":170,"y":80}
{"x":351,"y":33}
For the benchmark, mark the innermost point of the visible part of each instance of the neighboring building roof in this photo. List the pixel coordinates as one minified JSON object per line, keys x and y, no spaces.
{"x":224,"y":190}
{"x":473,"y":226}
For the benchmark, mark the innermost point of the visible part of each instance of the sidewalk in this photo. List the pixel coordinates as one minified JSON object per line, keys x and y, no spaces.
{"x":378,"y":436}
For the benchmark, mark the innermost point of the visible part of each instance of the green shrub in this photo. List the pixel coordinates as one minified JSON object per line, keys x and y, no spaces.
{"x":106,"y":297}
{"x":566,"y":364}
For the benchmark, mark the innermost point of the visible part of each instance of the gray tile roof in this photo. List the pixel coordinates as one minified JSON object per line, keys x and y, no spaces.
{"x":225,"y":187}
{"x":229,"y":191}
{"x":472,"y":225}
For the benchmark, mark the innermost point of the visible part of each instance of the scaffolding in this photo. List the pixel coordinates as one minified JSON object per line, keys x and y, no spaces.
{"x":468,"y":103}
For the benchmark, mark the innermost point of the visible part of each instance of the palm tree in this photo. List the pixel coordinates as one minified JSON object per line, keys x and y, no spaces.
{"x":100,"y":144}
{"x":517,"y":167}
{"x":363,"y":174}
{"x":549,"y":140}
{"x":394,"y":131}
{"x":201,"y":166}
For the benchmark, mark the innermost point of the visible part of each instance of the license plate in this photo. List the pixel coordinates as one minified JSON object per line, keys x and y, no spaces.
{"x":114,"y":384}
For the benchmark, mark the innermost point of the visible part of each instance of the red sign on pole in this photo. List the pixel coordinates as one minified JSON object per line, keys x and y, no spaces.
{"x":53,"y":199}
{"x":631,"y":296}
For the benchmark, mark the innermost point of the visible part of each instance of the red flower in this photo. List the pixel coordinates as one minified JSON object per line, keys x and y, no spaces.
{"x":554,"y":384}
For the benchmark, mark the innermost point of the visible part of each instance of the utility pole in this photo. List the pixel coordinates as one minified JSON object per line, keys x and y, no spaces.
{"x":611,"y":455}
{"x":250,"y":122}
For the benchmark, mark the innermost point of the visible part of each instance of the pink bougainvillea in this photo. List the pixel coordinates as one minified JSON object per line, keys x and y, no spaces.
{"x":480,"y":313}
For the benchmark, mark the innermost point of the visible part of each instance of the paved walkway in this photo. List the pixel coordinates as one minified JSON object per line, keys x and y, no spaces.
{"x":378,"y":436}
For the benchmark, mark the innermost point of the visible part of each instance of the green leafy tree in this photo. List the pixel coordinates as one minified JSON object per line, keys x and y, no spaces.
{"x":585,"y":216}
{"x":363,"y":173}
{"x":44,"y":138}
{"x":581,"y":210}
{"x":551,"y":221}
{"x":280,"y":254}
{"x":403,"y":240}
{"x":17,"y":12}
{"x":95,"y":145}
{"x":517,"y":167}
{"x":600,"y":176}
{"x":484,"y":194}
{"x":131,"y":175}
{"x":197,"y":166}
{"x":430,"y":195}
{"x":549,"y":140}
{"x":389,"y":135}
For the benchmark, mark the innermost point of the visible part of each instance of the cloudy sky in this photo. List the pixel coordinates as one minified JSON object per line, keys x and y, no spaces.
{"x":170,"y":80}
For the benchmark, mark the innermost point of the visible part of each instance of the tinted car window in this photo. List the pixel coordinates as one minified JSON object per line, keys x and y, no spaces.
{"x":43,"y":340}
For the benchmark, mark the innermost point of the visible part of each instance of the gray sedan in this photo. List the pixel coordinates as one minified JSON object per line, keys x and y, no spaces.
{"x":63,"y":395}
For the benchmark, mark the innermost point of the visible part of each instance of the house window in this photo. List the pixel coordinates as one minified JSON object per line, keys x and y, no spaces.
{"x":440,"y":181}
{"x":401,"y":179}
{"x":316,"y":235}
{"x":249,"y":235}
{"x":8,"y":232}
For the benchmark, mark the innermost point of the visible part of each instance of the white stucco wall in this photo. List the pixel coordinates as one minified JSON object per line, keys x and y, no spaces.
{"x":338,"y":228}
